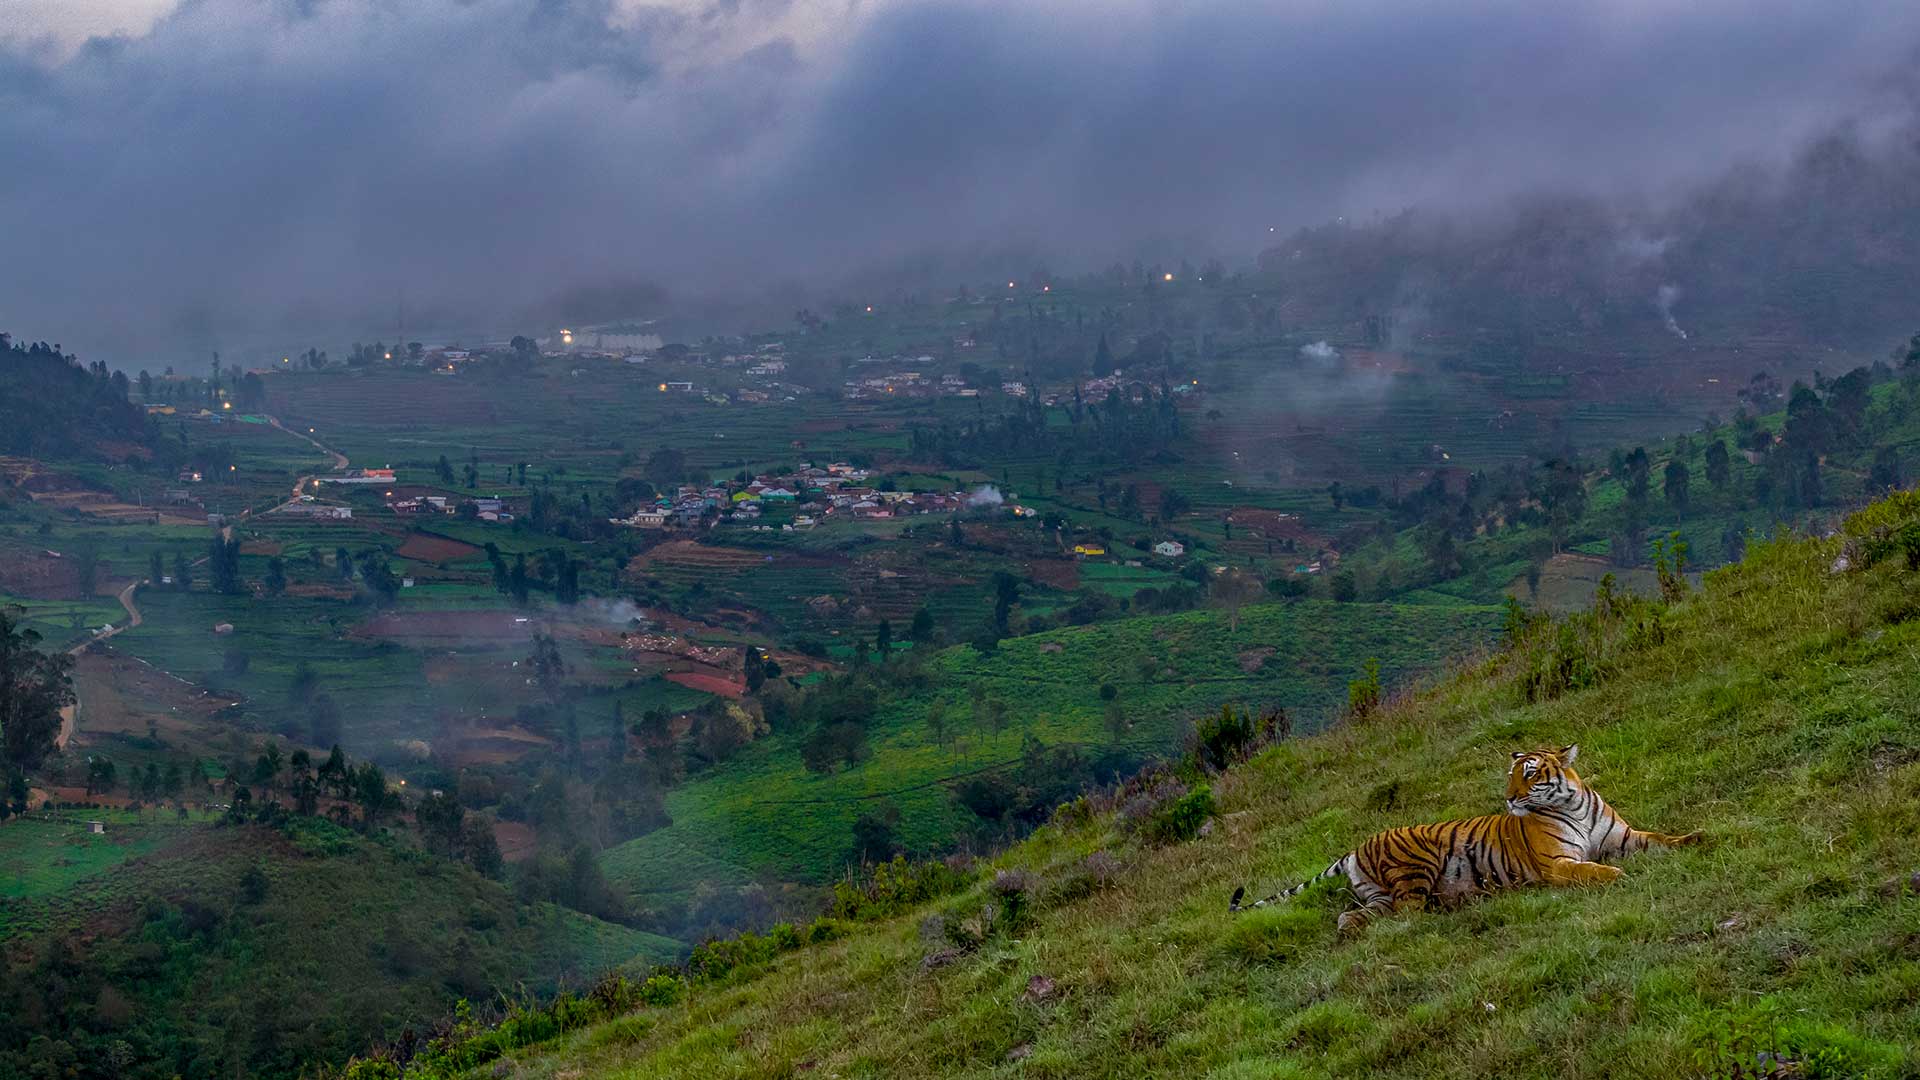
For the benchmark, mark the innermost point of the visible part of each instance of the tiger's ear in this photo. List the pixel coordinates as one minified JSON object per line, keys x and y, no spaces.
{"x":1518,"y":754}
{"x":1568,"y":753}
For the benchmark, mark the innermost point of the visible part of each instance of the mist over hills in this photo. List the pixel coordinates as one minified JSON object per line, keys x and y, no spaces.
{"x":231,"y":174}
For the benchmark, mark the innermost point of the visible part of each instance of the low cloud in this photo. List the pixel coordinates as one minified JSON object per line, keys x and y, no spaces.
{"x":245,"y":172}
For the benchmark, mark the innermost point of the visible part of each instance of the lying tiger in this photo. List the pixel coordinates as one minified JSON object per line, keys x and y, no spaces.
{"x":1555,"y":832}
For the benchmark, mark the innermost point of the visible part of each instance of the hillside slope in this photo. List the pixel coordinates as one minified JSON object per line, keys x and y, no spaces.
{"x":1778,"y":709}
{"x":167,"y":948}
{"x":767,"y":813}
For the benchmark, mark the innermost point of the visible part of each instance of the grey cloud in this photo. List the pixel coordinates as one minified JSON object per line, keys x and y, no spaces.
{"x":250,"y":170}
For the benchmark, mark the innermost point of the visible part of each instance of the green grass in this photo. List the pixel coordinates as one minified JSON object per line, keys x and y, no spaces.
{"x":346,"y":939}
{"x":49,"y":853}
{"x":1778,"y":715}
{"x":763,"y":810}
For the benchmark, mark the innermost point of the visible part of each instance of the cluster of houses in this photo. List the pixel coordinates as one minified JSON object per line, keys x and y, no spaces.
{"x":839,"y":490}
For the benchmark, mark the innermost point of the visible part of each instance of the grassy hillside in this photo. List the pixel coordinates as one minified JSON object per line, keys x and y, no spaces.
{"x":194,"y":949}
{"x":1777,"y":709}
{"x":765,"y":811}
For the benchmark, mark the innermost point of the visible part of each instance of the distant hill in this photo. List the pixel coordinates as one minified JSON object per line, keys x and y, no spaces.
{"x":1822,"y":253}
{"x":1771,"y":709}
{"x":52,"y":407}
{"x":166,"y":948}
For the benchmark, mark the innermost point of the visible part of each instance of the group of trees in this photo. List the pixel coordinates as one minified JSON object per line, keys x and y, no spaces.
{"x":51,"y":406}
{"x":34,"y":687}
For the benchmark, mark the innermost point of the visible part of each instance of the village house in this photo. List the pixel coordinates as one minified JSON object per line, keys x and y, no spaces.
{"x":1172,"y":549}
{"x":1088,"y":550}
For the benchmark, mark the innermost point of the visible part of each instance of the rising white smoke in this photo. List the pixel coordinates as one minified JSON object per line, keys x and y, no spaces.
{"x":1664,"y":300}
{"x":986,"y":495}
{"x":1320,"y":353}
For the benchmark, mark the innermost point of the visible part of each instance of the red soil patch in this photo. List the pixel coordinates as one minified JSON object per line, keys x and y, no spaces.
{"x":34,"y":574}
{"x":260,"y":547}
{"x":119,"y":692}
{"x":516,"y":839}
{"x":1272,"y":525}
{"x":421,"y":547}
{"x":1062,"y":574}
{"x":712,"y":684}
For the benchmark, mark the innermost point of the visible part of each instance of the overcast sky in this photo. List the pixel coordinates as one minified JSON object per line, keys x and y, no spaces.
{"x":176,"y":175}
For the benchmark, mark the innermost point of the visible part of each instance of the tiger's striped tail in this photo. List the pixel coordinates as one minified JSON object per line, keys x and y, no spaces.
{"x":1338,"y":868}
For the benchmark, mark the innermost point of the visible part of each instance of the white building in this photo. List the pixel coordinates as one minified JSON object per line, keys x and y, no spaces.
{"x":1172,"y":549}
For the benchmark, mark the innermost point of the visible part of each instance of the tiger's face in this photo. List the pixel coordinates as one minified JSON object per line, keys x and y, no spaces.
{"x":1541,"y":778}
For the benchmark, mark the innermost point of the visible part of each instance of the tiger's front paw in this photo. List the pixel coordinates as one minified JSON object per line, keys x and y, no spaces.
{"x":1352,"y":922}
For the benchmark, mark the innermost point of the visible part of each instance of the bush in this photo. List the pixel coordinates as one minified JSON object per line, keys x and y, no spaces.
{"x":1168,"y":813}
{"x":894,"y":887}
{"x":1226,"y":739}
{"x":1886,"y":528}
{"x":1363,"y":694}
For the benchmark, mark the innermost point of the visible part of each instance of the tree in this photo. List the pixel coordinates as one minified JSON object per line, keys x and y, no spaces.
{"x":156,"y":569}
{"x":1233,"y":589}
{"x":440,"y":817}
{"x":1886,"y":474}
{"x":883,"y":640}
{"x":34,"y":687}
{"x":655,"y":729}
{"x":444,"y":470}
{"x":665,"y":468}
{"x":182,"y":572}
{"x":1677,"y":478}
{"x":379,"y":577}
{"x":482,"y":851}
{"x":335,"y":774}
{"x":1719,"y":470}
{"x":100,"y":775}
{"x":922,"y":629}
{"x":266,"y":769}
{"x":1006,"y":589}
{"x":1172,"y":504}
{"x":1343,"y":586}
{"x":86,"y":566}
{"x":276,"y":580}
{"x":223,"y":566}
{"x":1102,"y":358}
{"x":874,"y":840}
{"x":343,"y":563}
{"x":300,"y":781}
{"x":549,"y":669}
{"x":753,"y":668}
{"x":1337,"y":494}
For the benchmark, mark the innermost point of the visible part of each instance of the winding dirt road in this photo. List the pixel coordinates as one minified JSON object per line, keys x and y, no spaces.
{"x":69,"y":716}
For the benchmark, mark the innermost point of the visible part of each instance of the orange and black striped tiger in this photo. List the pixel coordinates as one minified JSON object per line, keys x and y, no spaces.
{"x":1556,"y":831}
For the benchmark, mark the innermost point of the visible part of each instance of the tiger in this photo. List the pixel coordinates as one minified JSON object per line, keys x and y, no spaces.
{"x":1555,"y":831}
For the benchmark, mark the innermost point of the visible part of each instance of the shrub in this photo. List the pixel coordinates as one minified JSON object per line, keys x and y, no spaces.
{"x":1886,"y":528}
{"x":1014,"y":889}
{"x":1226,"y":739}
{"x":1178,"y":818}
{"x":663,"y":989}
{"x":893,"y":887}
{"x":1363,"y":694}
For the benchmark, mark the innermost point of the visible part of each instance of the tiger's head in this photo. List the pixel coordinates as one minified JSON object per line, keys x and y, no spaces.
{"x":1542,"y":778}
